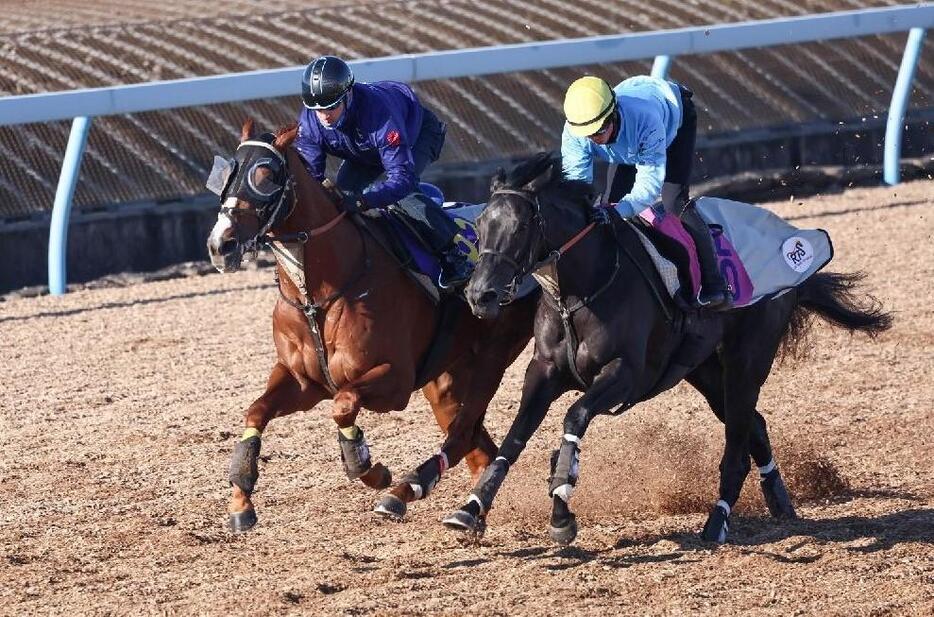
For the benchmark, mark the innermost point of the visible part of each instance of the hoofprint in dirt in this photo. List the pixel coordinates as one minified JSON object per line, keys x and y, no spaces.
{"x":120,"y":408}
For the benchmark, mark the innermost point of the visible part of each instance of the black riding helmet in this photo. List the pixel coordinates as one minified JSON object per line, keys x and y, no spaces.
{"x":325,"y":82}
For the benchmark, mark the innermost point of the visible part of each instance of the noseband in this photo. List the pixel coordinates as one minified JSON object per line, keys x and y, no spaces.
{"x":532,"y":265}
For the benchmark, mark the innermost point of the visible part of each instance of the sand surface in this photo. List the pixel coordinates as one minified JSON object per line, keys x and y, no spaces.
{"x":120,"y":407}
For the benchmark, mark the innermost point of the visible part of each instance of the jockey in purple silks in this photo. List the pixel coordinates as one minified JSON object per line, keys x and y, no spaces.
{"x":647,"y":127}
{"x":386,"y":139}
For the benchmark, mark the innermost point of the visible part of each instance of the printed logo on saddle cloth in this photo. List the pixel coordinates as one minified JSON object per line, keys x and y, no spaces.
{"x":466,"y":240}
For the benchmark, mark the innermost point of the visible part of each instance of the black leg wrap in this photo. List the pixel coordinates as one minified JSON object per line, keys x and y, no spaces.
{"x":776,"y":495}
{"x":489,"y":483}
{"x":717,"y":526}
{"x":425,"y":475}
{"x":355,"y":454}
{"x":243,"y":470}
{"x":565,"y":467}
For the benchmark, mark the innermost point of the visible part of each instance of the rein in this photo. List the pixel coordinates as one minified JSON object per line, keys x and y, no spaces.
{"x":553,"y":255}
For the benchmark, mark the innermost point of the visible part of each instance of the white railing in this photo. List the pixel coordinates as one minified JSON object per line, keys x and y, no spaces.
{"x":82,"y":105}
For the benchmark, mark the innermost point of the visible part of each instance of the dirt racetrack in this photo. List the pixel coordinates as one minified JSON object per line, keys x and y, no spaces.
{"x":121,"y":405}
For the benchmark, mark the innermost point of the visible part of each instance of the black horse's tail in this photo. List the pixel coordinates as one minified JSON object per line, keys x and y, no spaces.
{"x":835,"y":298}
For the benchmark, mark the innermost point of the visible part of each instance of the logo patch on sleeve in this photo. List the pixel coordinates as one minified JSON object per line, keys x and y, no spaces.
{"x":393,"y":138}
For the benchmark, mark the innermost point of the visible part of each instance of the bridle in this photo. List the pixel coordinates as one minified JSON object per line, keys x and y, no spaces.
{"x":533,"y":263}
{"x":267,"y":204}
{"x":553,"y":292}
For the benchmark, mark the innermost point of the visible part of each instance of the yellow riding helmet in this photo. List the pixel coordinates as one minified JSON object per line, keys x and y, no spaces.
{"x":588,"y":102}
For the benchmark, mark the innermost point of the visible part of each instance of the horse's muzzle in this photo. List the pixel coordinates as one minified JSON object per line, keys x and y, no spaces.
{"x":226,"y":256}
{"x":225,"y":252}
{"x":484,"y":303}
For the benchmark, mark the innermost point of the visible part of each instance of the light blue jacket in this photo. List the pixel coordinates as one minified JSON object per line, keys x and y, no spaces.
{"x":650,"y":116}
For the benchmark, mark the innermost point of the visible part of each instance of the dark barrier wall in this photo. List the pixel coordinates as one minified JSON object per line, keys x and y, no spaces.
{"x":131,"y":239}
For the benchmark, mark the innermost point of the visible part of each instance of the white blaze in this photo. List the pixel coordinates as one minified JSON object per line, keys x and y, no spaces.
{"x":224,"y":222}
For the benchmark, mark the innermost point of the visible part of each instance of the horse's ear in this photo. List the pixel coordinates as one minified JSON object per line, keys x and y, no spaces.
{"x":498,"y":181}
{"x":552,"y":172}
{"x":246,"y":133}
{"x":285,"y":137}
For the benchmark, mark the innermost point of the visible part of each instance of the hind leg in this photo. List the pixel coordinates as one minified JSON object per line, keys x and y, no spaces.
{"x":746,"y":354}
{"x":708,"y":380}
{"x":459,"y":399}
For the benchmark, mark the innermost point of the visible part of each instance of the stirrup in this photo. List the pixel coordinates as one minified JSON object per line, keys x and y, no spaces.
{"x":719,"y":302}
{"x":459,"y":280}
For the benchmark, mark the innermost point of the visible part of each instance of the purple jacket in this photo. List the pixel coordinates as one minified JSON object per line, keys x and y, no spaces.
{"x":379,"y":128}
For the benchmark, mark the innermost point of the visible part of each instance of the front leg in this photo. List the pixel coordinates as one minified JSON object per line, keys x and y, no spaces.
{"x":283,"y":395}
{"x":610,"y":388}
{"x":543,"y":384}
{"x":378,"y":383}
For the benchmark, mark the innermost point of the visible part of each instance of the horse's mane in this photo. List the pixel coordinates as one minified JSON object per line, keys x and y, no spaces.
{"x":543,"y":172}
{"x":285,"y":135}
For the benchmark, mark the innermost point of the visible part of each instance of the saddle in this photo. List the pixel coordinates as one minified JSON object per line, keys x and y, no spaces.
{"x":759,"y":253}
{"x":669,"y":258}
{"x":406,"y":231}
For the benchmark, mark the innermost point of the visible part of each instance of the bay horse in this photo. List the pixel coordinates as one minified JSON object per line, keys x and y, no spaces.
{"x":603,"y":328}
{"x":351,"y":326}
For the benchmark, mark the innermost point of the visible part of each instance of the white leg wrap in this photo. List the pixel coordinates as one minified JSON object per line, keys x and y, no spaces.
{"x":442,"y":462}
{"x":564,"y":492}
{"x":768,"y":468}
{"x":501,"y":458}
{"x":725,"y":506}
{"x":473,"y":498}
{"x":417,"y":489}
{"x":572,"y":439}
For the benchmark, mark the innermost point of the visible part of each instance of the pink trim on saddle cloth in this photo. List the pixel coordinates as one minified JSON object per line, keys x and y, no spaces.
{"x":672,"y":227}
{"x":732,"y":268}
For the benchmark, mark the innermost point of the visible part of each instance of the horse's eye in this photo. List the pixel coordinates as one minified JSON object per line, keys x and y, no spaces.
{"x":261,"y":180}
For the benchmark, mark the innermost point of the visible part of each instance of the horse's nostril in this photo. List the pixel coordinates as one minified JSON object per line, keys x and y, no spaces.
{"x":488,"y":297}
{"x":228,"y":246}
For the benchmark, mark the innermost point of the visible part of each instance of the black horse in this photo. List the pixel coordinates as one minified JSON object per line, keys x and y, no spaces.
{"x":604,"y":327}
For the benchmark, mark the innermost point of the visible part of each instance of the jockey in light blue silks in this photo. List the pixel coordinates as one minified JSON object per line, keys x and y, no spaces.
{"x":647,"y":127}
{"x":378,"y":129}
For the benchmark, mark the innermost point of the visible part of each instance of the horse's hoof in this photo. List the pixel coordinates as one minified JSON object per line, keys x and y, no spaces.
{"x":378,"y":477}
{"x":242,"y":521}
{"x":776,"y":496}
{"x":461,"y":520}
{"x":390,"y":506}
{"x":717,"y":526}
{"x":564,"y":535}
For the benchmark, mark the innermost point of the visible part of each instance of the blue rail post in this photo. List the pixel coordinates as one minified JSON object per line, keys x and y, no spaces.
{"x":660,"y":66}
{"x":61,"y":211}
{"x":900,"y":95}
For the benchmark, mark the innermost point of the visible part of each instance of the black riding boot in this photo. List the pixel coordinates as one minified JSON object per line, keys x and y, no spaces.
{"x":715,"y":293}
{"x":437,"y":232}
{"x":454,"y":269}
